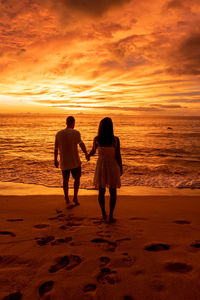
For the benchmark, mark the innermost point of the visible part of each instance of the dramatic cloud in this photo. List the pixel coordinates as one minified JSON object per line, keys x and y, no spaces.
{"x":90,"y":7}
{"x":122,"y":54}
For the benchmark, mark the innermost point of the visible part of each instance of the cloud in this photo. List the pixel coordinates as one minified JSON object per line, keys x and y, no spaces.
{"x":113,"y":108}
{"x":88,"y":7}
{"x":185,"y":60}
{"x":185,"y":100}
{"x":174,"y":106}
{"x":182,"y":5}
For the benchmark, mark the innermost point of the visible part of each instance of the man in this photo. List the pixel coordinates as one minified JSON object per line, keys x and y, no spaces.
{"x":66,"y":143}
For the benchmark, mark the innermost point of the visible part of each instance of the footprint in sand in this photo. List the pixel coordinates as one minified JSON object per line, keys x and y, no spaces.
{"x":44,"y":240}
{"x":177,"y":267}
{"x":68,"y":262}
{"x":157,"y":285}
{"x":13,"y":296}
{"x":89,"y":287}
{"x":52,"y":218}
{"x":97,"y":221}
{"x":15,"y":220}
{"x":107,"y":276}
{"x":45,"y":287}
{"x":182,"y":222}
{"x":61,"y":241}
{"x":157,"y":247}
{"x":63,"y":227}
{"x":74,"y":218}
{"x":72,"y":224}
{"x":128,"y":298}
{"x":104,"y":261}
{"x":61,"y":216}
{"x":196,"y":244}
{"x":111,"y":245}
{"x":123,"y":239}
{"x":123,"y":262}
{"x":7,"y":233}
{"x":40,"y":226}
{"x":58,"y":211}
{"x":138,"y":219}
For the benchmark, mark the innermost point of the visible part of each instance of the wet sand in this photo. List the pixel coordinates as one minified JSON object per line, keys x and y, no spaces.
{"x":50,"y":252}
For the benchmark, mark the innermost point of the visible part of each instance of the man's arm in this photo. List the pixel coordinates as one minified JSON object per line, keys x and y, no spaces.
{"x":56,"y":163}
{"x":83,"y":148}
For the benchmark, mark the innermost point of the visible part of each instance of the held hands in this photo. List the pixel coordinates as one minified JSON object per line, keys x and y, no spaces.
{"x":87,"y":156}
{"x":56,"y":163}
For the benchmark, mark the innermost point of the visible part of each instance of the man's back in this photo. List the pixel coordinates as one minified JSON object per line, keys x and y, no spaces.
{"x":67,"y":141}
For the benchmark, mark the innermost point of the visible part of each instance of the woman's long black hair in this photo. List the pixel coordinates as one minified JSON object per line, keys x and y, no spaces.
{"x":105,"y":133}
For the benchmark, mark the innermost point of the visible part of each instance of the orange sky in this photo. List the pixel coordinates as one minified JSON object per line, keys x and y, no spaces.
{"x":126,"y":56}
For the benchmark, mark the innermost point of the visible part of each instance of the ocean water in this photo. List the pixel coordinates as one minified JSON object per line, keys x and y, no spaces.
{"x":156,"y":151}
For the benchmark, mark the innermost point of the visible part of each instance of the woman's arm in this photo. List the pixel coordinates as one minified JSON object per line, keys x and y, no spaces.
{"x":94,"y":148}
{"x":118,"y":155}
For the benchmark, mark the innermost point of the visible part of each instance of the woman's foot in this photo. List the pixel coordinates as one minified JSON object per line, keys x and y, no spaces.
{"x":75,"y":200}
{"x":104,"y":216}
{"x":111,"y":219}
{"x":69,"y":205}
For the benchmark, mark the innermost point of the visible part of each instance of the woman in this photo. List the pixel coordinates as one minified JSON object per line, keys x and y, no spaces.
{"x":109,"y":165}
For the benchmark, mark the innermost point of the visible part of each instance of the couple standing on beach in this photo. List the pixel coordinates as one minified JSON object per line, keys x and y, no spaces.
{"x":108,"y":167}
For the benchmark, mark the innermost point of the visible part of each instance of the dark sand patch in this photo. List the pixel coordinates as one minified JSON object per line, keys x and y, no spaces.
{"x":128,"y":298}
{"x":177,"y":267}
{"x":104,"y":261}
{"x":72,"y":224}
{"x":182,"y":222}
{"x":111,"y":245}
{"x":196,"y":244}
{"x":61,"y":262}
{"x":61,"y":215}
{"x":75,"y":260}
{"x":123,"y":239}
{"x":45,"y":287}
{"x":13,"y":296}
{"x":61,"y":241}
{"x":157,"y":247}
{"x":7,"y":233}
{"x":106,"y":276}
{"x":157,"y":285}
{"x":41,"y":226}
{"x":15,"y":220}
{"x":138,"y":219}
{"x":89,"y":287}
{"x":44,"y":240}
{"x":68,"y":262}
{"x":63,"y":227}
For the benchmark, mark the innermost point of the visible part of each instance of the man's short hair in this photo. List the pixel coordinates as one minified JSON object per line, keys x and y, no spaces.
{"x":70,"y":120}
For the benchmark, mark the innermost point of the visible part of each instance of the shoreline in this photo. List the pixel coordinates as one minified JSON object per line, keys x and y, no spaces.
{"x":23,"y":189}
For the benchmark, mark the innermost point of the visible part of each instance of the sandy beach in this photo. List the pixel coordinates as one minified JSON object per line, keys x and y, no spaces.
{"x":50,"y":252}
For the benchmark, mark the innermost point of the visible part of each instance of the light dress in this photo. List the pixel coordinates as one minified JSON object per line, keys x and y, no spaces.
{"x":107,"y":172}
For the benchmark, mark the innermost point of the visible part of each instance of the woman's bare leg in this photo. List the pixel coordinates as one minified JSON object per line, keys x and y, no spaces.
{"x":101,"y":199}
{"x":113,"y":198}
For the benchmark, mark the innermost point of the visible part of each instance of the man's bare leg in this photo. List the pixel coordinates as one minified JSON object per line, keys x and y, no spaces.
{"x":66,"y":185}
{"x":76,"y":188}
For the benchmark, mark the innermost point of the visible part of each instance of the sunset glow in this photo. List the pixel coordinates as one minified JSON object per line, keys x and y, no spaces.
{"x":117,"y":55}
